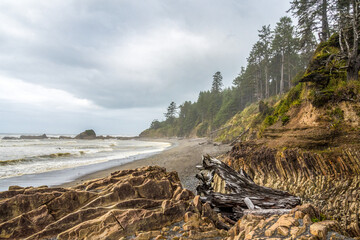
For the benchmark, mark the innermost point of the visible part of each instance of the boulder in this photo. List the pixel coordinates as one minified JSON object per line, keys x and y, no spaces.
{"x":319,"y":230}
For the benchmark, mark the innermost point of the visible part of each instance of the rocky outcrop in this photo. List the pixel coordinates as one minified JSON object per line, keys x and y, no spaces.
{"x":328,"y":179}
{"x":87,"y":134}
{"x":145,"y":203}
{"x":9,"y":138}
{"x":199,"y":222}
{"x":119,"y":205}
{"x":33,"y":137}
{"x":298,"y":224}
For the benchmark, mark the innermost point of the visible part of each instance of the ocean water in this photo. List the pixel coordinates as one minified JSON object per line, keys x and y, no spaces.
{"x":21,"y":160}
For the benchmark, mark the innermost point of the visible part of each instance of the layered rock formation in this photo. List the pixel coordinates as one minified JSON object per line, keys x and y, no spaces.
{"x":116,"y":206}
{"x":329,"y":179}
{"x":127,"y":203}
{"x":145,"y":203}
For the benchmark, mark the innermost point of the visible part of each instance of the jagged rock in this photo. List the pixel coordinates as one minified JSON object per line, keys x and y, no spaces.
{"x":155,"y":189}
{"x":87,"y":134}
{"x":283,"y":231}
{"x":283,"y":227}
{"x":148,"y":235}
{"x":197,"y":203}
{"x":185,"y":194}
{"x":190,"y":216}
{"x":309,"y":209}
{"x":14,"y":188}
{"x":112,"y":207}
{"x":122,"y":206}
{"x":319,"y":230}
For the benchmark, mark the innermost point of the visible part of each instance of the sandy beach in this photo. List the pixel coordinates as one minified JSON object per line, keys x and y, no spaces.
{"x":182,"y":157}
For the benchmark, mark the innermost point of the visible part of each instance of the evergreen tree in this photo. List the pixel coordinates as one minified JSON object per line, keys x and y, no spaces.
{"x":217,"y":82}
{"x":244,"y":85}
{"x":348,"y":19}
{"x":155,"y":124}
{"x":266,"y":37}
{"x":272,"y":62}
{"x":203,"y":105}
{"x":254,"y":60}
{"x":187,"y":118}
{"x":313,"y":17}
{"x":283,"y":44}
{"x":171,"y":112}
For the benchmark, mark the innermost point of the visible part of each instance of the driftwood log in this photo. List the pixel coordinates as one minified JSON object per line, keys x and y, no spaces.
{"x":241,"y":192}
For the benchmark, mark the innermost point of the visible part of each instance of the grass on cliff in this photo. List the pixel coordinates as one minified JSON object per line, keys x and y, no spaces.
{"x":292,"y":98}
{"x":259,"y":116}
{"x":248,"y":119}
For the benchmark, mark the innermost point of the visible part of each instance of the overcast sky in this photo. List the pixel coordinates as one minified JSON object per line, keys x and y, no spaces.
{"x":114,"y":65}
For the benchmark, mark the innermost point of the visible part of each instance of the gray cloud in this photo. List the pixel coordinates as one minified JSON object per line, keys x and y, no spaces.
{"x":123,"y":55}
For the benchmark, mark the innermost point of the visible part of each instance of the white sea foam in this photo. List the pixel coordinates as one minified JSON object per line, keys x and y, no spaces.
{"x":20,"y":157}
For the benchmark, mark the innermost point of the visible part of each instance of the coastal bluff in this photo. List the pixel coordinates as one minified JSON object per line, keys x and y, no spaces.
{"x":143,"y":203}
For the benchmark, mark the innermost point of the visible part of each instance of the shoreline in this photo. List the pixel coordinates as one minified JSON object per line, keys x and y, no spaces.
{"x":182,"y":156}
{"x":59,"y":177}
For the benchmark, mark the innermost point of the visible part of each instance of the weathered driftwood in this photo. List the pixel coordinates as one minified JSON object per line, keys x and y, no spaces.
{"x":249,"y":203}
{"x":238,"y":186}
{"x":267,"y":212}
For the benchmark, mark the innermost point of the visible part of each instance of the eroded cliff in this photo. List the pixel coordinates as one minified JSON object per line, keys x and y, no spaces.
{"x":328,"y":179}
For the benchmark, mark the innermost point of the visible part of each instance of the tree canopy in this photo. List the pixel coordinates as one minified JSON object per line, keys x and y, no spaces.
{"x":275,"y":60}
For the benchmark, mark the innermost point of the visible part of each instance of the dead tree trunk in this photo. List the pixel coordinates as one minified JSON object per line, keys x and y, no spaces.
{"x":238,"y":187}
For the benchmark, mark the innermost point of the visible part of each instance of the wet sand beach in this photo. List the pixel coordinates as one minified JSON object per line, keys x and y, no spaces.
{"x":182,"y":158}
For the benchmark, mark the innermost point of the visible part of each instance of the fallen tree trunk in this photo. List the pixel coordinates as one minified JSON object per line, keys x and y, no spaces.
{"x":238,"y":187}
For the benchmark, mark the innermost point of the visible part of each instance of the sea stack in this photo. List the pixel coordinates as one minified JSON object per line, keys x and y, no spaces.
{"x":87,"y":134}
{"x":34,"y":137}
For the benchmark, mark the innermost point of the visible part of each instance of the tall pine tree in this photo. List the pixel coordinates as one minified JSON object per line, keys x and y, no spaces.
{"x":217,"y":82}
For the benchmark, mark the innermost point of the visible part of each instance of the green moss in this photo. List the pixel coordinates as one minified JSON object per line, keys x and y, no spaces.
{"x":291,"y":99}
{"x":285,"y":119}
{"x":325,"y":64}
{"x":337,"y":113}
{"x":327,"y":76}
{"x":322,"y":218}
{"x":314,"y":220}
{"x":347,"y":90}
{"x":264,"y":108}
{"x":337,"y":90}
{"x":320,"y":98}
{"x":269,"y":120}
